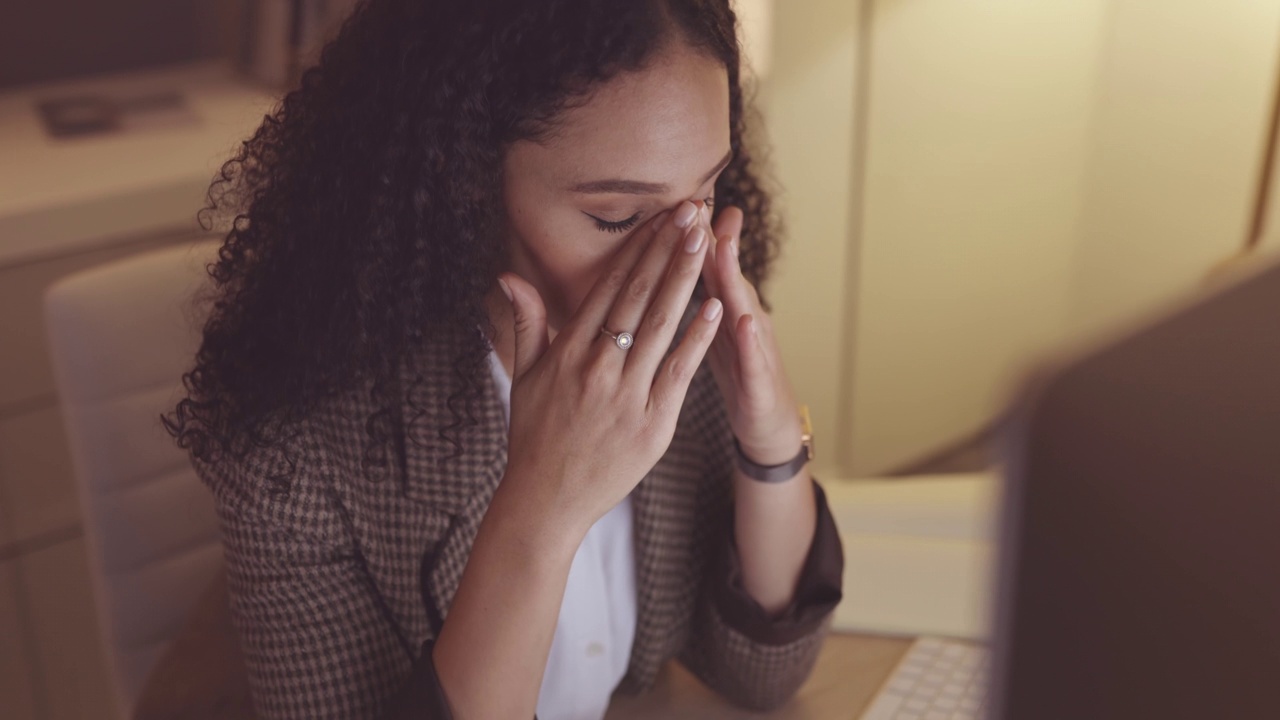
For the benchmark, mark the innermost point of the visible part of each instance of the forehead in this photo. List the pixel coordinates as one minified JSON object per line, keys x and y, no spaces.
{"x":668,"y":122}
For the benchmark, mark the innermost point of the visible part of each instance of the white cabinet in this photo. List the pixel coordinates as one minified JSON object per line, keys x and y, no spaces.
{"x":67,"y":205}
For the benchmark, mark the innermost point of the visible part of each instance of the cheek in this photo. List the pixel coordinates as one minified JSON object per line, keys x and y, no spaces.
{"x":565,"y":251}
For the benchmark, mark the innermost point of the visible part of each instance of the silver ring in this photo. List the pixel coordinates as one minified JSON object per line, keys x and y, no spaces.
{"x":624,"y":340}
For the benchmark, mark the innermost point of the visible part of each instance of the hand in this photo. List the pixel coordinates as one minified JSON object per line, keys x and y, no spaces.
{"x":589,"y":419}
{"x":745,"y":360}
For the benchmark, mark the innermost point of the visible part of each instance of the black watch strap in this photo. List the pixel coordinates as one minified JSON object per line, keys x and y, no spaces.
{"x":772,"y":473}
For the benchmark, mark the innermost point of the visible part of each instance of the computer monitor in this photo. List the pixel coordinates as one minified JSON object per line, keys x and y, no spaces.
{"x":1139,"y":569}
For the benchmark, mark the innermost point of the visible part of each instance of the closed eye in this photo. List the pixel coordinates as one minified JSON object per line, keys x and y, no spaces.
{"x":615,"y":226}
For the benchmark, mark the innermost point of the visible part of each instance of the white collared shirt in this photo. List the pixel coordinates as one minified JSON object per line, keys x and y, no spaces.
{"x":597,"y":625}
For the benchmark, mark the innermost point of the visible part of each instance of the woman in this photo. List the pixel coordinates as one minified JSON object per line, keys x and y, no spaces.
{"x":451,"y":397}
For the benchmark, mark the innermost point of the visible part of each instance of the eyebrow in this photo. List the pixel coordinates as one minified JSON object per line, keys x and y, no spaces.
{"x":637,"y":187}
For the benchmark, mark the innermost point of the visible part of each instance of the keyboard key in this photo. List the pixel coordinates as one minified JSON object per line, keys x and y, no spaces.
{"x":954,"y":651}
{"x":936,"y":680}
{"x":883,"y":707}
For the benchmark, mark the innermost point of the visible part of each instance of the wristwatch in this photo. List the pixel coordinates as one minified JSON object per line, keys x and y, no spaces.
{"x":787,"y":470}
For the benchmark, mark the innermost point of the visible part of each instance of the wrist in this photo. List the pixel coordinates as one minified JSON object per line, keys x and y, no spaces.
{"x":526,"y":518}
{"x":780,"y":447}
{"x":785,"y":453}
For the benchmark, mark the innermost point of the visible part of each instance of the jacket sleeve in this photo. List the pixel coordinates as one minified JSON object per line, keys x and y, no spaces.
{"x":736,"y":648}
{"x":317,"y":640}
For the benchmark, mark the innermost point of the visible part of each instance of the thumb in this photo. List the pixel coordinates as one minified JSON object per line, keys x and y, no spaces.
{"x":530,"y":321}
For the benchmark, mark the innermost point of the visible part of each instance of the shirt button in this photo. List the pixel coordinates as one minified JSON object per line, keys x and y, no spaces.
{"x":595,"y":649}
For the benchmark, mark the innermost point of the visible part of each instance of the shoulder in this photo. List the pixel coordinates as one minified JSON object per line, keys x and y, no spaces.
{"x":320,"y":460}
{"x":292,"y":480}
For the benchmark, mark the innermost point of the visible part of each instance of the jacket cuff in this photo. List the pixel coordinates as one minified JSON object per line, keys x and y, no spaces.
{"x":818,"y":589}
{"x":421,"y":697}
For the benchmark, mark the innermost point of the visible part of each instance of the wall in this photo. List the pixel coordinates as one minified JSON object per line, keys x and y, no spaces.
{"x":57,"y":39}
{"x":1024,"y":173}
{"x":1182,"y":110}
{"x":977,"y":132}
{"x":808,"y":102}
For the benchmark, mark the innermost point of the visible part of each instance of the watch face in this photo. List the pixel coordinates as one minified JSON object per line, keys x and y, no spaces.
{"x":807,"y":428}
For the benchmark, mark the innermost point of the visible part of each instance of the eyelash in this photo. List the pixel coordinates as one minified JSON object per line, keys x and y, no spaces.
{"x":619,"y":226}
{"x":625,"y":225}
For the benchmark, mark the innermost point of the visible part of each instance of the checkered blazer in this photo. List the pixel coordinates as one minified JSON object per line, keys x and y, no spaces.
{"x":340,"y":582}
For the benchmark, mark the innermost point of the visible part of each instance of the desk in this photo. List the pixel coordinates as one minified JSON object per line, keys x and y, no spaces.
{"x":849,"y":671}
{"x":63,"y":196}
{"x":188,"y":686}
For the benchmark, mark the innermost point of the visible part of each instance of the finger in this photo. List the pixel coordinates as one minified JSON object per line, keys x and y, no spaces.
{"x":709,"y":269}
{"x":754,"y":371}
{"x":731,"y":291}
{"x":725,"y":349}
{"x":669,"y":388}
{"x":709,"y":272}
{"x":530,"y":322}
{"x":736,"y":291}
{"x":763,"y":326}
{"x":632,"y":304}
{"x":728,"y":225}
{"x":584,"y":326}
{"x":721,"y":358}
{"x":658,"y":327}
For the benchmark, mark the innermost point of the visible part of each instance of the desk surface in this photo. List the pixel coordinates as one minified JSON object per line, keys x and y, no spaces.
{"x":187,"y":685}
{"x":849,"y":671}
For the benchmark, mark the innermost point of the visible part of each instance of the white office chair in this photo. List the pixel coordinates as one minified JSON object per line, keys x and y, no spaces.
{"x":120,"y":337}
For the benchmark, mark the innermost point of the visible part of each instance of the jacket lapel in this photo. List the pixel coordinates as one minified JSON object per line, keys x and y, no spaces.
{"x":666,"y":505}
{"x":458,"y":479}
{"x":462,"y":482}
{"x":651,"y":595}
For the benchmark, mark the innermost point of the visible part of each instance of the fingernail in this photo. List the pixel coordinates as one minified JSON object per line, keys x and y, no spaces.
{"x":685,"y":214}
{"x":694,"y":242}
{"x":506,"y":289}
{"x":712,"y":310}
{"x":733,"y":247}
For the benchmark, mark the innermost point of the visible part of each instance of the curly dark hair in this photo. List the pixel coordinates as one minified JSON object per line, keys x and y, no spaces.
{"x":365,"y":211}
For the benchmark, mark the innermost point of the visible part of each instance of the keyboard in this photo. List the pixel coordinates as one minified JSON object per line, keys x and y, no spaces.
{"x":938,"y":679}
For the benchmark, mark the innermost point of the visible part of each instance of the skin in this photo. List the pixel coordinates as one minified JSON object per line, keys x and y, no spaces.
{"x":588,"y":420}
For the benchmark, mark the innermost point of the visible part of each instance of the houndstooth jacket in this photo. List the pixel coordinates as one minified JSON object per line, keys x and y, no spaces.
{"x":340,"y":582}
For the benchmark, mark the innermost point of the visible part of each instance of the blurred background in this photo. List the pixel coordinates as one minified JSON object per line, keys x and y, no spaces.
{"x":967,"y":186}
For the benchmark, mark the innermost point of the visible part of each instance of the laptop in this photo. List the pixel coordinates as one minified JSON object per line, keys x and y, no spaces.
{"x":1139,"y":562}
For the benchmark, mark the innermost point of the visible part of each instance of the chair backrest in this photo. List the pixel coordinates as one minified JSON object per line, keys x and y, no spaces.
{"x":120,"y":336}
